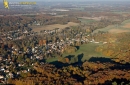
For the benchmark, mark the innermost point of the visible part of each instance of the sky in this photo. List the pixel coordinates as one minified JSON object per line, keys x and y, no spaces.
{"x":62,"y":0}
{"x":66,"y":0}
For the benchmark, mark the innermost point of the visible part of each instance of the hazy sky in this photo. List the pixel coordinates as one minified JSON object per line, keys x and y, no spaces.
{"x":64,"y":0}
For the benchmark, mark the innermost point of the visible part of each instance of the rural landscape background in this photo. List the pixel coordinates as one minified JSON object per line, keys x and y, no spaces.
{"x":65,"y":42}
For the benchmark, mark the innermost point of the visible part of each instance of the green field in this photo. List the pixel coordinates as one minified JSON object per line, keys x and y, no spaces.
{"x":88,"y":50}
{"x":106,"y":29}
{"x":51,"y":59}
{"x":80,"y":8}
{"x":86,"y":21}
{"x":119,"y":12}
{"x":125,"y":22}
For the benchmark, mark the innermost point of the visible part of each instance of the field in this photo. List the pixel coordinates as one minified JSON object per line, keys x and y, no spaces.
{"x":123,"y":27}
{"x":117,"y":31}
{"x":51,"y":27}
{"x":79,"y":8}
{"x":86,"y":21}
{"x":51,"y":59}
{"x":60,"y":15}
{"x":91,"y":18}
{"x":88,"y":51}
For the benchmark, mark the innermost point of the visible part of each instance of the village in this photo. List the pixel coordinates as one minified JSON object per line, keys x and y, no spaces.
{"x":13,"y":67}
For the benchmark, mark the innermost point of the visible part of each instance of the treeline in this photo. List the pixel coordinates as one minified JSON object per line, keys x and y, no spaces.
{"x":48,"y":19}
{"x":91,"y":72}
{"x":118,"y":46}
{"x":9,"y":23}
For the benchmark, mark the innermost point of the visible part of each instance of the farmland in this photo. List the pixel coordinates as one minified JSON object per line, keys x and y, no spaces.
{"x":51,"y":27}
{"x":123,"y":27}
{"x":86,"y":21}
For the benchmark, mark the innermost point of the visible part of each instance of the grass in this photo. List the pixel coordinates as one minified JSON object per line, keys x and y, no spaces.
{"x":120,"y":12}
{"x":53,"y":26}
{"x":125,"y":22}
{"x":105,"y":29}
{"x":117,"y":28}
{"x":81,"y":8}
{"x":51,"y":59}
{"x":86,"y":21}
{"x":88,"y":50}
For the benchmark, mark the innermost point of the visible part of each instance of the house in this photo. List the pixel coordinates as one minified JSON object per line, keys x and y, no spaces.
{"x":6,"y":71}
{"x":1,"y":41}
{"x":1,"y":58}
{"x":104,"y":42}
{"x":96,"y":42}
{"x":38,"y":24}
{"x":19,"y":65}
{"x":11,"y":75}
{"x":24,"y":71}
{"x":1,"y":77}
{"x":2,"y":69}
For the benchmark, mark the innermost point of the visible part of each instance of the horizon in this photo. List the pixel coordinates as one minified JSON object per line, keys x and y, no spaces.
{"x":67,"y":0}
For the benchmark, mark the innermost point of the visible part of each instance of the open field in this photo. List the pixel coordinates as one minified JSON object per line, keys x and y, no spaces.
{"x":51,"y":27}
{"x":88,"y":50}
{"x":60,"y":15}
{"x":118,"y":31}
{"x":79,"y":8}
{"x":123,"y":27}
{"x":91,"y":18}
{"x":86,"y":21}
{"x":127,"y":26}
{"x":51,"y":59}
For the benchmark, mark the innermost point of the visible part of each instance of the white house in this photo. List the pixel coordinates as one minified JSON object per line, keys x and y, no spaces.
{"x":1,"y":77}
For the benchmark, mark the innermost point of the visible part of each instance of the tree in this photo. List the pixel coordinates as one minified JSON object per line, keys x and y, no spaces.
{"x":28,"y":61}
